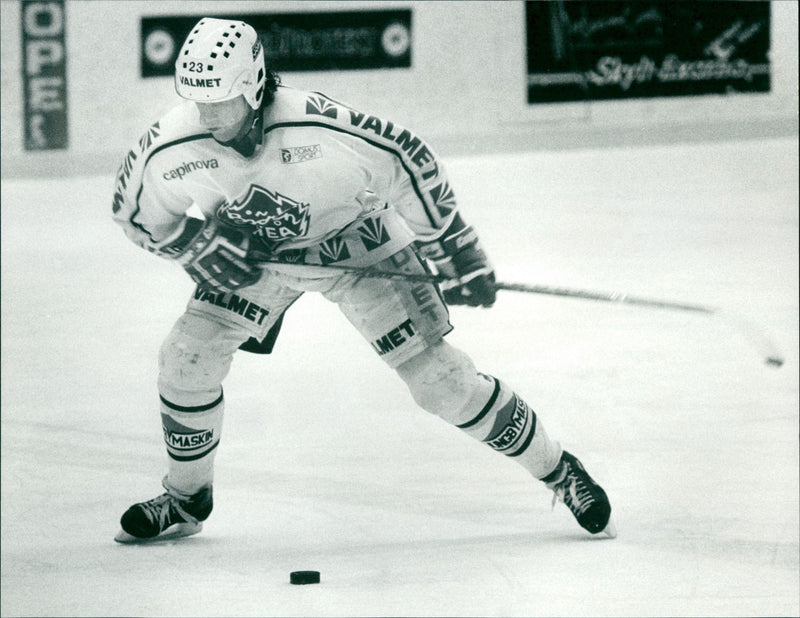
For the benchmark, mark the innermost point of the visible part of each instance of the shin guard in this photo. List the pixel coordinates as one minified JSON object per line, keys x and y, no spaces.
{"x":191,"y":435}
{"x":508,"y":425}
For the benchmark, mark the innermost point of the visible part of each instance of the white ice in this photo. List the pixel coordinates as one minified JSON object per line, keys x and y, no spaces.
{"x":326,"y":463}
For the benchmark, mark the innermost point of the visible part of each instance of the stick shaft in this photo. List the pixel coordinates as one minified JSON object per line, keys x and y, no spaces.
{"x":613,"y":297}
{"x":764,"y":344}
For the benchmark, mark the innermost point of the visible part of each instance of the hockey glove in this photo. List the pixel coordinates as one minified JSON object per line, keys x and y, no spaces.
{"x":214,"y":255}
{"x":460,"y":258}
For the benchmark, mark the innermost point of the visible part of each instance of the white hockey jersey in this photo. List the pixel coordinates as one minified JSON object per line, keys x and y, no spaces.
{"x":328,"y":184}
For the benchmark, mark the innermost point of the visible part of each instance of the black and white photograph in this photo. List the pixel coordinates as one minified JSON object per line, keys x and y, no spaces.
{"x":431,"y":308}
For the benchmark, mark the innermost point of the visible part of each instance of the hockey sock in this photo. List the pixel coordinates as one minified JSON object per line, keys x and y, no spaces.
{"x":508,"y":425}
{"x":191,"y":434}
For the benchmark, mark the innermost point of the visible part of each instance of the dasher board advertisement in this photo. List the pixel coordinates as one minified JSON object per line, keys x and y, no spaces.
{"x":316,"y":41}
{"x":592,"y":50}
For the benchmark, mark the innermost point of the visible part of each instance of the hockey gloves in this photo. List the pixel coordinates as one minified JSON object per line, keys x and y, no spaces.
{"x":459,"y":257}
{"x":214,"y":255}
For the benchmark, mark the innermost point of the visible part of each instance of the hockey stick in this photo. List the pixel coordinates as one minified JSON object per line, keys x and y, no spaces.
{"x":612,"y":297}
{"x":748,"y":329}
{"x":615,"y":297}
{"x":760,"y":341}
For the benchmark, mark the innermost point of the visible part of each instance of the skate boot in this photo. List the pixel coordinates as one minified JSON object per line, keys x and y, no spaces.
{"x":585,"y":498}
{"x":169,"y":516}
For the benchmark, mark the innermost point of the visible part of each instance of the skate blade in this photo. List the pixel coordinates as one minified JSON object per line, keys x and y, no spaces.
{"x":610,"y":530}
{"x":175,"y":531}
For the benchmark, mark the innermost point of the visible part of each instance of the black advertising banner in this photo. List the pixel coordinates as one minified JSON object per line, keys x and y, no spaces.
{"x":334,"y":41}
{"x":44,"y":74}
{"x":610,"y":49}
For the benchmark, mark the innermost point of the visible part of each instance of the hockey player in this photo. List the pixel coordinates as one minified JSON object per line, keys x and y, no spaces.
{"x":260,"y":191}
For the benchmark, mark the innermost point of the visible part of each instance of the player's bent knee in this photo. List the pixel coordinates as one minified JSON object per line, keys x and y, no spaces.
{"x":196,"y":356}
{"x":441,"y":379}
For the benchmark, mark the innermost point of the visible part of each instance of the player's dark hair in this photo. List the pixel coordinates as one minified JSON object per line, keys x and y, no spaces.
{"x":271,"y":83}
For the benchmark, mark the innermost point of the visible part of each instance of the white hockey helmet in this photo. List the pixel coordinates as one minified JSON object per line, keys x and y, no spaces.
{"x":220,"y":60}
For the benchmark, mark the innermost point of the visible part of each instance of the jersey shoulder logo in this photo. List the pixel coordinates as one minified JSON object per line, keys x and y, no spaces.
{"x":149,"y":137}
{"x":126,"y":168}
{"x":444,"y":198}
{"x":271,"y":215}
{"x":320,"y":106}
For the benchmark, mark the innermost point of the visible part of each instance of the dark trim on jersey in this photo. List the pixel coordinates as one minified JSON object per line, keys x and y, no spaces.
{"x":528,"y":440}
{"x":486,"y":408}
{"x":193,"y":457}
{"x":322,"y":125}
{"x":393,"y":151}
{"x":203,"y":408}
{"x":176,"y":142}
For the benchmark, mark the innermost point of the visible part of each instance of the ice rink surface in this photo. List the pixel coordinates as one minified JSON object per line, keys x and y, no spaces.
{"x":327,"y":464}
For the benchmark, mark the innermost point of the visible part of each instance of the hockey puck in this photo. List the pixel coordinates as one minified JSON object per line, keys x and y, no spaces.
{"x":304,"y":577}
{"x":774,"y":361}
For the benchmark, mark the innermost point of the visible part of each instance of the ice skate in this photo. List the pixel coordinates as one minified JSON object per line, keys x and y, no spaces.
{"x":169,"y":516}
{"x":586,"y":499}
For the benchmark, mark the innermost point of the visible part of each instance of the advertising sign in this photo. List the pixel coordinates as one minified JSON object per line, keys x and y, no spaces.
{"x":333,"y":41}
{"x":44,"y":75}
{"x":606,"y":49}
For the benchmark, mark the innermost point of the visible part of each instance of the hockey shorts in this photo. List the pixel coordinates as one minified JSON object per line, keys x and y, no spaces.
{"x":399,"y":319}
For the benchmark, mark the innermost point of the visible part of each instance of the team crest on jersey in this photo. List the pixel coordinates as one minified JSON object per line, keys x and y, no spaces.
{"x":320,"y":107}
{"x":271,"y":215}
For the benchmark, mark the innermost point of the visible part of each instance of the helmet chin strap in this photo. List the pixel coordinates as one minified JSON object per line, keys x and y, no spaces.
{"x":249,"y":136}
